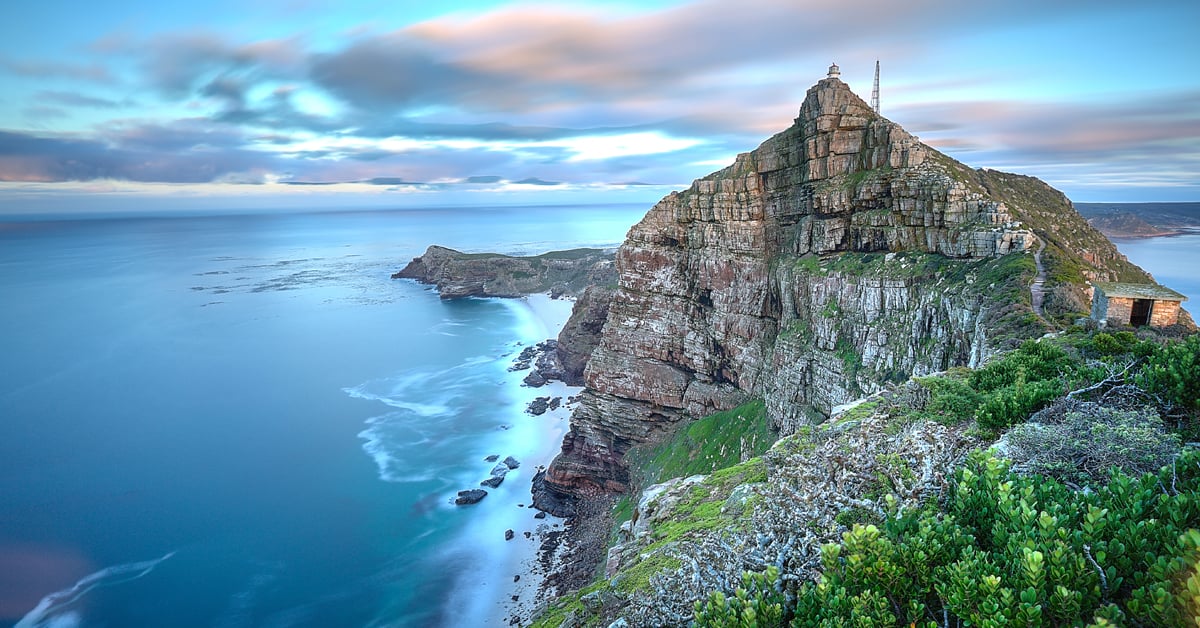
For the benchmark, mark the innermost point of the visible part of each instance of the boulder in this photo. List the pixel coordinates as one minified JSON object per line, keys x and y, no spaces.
{"x":471,"y":496}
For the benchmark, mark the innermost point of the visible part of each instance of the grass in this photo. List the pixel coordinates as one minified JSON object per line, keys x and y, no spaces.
{"x":707,"y":445}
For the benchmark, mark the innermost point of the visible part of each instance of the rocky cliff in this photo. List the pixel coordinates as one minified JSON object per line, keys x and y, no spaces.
{"x":840,"y":255}
{"x":456,"y":274}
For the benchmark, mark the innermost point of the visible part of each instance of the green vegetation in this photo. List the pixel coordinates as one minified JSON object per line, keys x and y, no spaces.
{"x":715,"y":442}
{"x":853,"y":180}
{"x":756,"y":603}
{"x":1007,"y":390}
{"x":1004,"y":550}
{"x":1173,"y":373}
{"x":1027,"y":549}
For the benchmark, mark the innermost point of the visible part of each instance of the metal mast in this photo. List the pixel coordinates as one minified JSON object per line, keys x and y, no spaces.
{"x":875,"y":90}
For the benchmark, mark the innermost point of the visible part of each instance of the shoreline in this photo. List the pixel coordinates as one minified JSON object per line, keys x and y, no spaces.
{"x":514,"y":601}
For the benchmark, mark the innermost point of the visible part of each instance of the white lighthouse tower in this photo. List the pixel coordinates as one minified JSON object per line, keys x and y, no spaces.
{"x":834,"y":71}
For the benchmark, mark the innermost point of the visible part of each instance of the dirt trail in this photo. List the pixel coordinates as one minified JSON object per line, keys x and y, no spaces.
{"x":1037,"y":290}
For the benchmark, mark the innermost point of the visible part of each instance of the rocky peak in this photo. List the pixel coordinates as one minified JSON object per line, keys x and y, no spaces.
{"x":839,"y":255}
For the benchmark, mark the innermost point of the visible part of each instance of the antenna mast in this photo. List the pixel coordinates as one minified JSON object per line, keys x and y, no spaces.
{"x":875,"y":90}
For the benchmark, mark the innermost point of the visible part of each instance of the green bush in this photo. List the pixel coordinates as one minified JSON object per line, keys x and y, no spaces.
{"x":758,"y":603}
{"x":1013,"y":404}
{"x":1173,"y":373}
{"x":1009,"y":550}
{"x":1119,"y":343}
{"x":951,"y":400}
{"x":1031,"y":362}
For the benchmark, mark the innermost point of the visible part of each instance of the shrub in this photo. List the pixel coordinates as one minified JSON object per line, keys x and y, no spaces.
{"x":1093,"y":440}
{"x":951,"y":400}
{"x":1010,"y":550}
{"x":1173,"y":373}
{"x":1013,"y":404}
{"x":758,"y":603}
{"x":1032,"y":361}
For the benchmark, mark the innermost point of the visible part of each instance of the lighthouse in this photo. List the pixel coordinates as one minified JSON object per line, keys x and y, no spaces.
{"x":834,"y":71}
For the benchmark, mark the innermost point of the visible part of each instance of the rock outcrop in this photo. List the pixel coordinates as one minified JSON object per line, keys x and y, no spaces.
{"x":840,"y":255}
{"x":581,"y":333}
{"x":456,"y":274}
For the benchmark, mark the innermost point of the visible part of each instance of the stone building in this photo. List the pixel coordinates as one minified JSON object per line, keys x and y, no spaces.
{"x":1135,"y":304}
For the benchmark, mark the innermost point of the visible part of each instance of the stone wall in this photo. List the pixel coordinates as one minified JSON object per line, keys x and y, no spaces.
{"x":1164,"y":314}
{"x":1119,"y":310}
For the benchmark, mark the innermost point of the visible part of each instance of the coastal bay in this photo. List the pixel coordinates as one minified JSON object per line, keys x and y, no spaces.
{"x":182,"y":445}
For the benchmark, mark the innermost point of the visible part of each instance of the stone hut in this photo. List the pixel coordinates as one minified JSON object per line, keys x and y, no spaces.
{"x":1135,"y":304}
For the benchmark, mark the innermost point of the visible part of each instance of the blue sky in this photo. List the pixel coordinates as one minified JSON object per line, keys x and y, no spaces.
{"x":390,"y":103}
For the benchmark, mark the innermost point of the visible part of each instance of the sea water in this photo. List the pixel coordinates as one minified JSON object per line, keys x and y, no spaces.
{"x":1173,"y":260}
{"x":243,"y":421}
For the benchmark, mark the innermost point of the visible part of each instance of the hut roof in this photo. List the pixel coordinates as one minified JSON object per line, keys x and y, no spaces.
{"x":1138,"y":291}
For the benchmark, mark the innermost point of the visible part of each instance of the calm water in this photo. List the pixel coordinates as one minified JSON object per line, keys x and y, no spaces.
{"x":1174,"y":262}
{"x":242,"y":421}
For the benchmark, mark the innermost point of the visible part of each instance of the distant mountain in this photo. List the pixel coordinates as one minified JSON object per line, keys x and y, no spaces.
{"x":1140,"y":220}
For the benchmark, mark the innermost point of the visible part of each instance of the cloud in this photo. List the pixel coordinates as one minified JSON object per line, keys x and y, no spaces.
{"x":26,"y":157}
{"x":1148,"y":126}
{"x":76,"y":99}
{"x":554,"y":93}
{"x":92,"y":72}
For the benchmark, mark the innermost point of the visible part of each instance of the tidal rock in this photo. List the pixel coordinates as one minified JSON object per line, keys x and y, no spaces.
{"x":493,"y":482}
{"x":508,"y":535}
{"x":471,"y":496}
{"x":501,"y":469}
{"x":511,"y":463}
{"x":540,"y":515}
{"x":534,"y":380}
{"x":492,"y":458}
{"x":538,"y":406}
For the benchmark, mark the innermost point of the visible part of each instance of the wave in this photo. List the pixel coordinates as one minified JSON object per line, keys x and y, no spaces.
{"x":49,"y":611}
{"x":388,"y":456}
{"x":421,"y":409}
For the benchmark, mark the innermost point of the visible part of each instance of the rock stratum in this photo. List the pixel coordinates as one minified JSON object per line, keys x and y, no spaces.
{"x":839,"y":256}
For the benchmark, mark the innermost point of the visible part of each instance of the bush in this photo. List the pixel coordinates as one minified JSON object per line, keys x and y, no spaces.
{"x":1173,"y":373}
{"x":1088,"y":443}
{"x":1031,"y":362}
{"x":1119,"y":343}
{"x":758,"y":603}
{"x":951,"y":400}
{"x":1013,"y":404}
{"x":1009,"y":550}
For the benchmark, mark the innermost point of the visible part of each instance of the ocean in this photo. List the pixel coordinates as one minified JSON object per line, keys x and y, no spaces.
{"x":1173,"y":260}
{"x":242,"y":420}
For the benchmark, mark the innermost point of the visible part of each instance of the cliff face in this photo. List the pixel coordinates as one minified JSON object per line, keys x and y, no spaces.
{"x":840,"y":255}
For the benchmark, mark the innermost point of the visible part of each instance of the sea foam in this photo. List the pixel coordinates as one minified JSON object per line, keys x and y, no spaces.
{"x":52,"y":611}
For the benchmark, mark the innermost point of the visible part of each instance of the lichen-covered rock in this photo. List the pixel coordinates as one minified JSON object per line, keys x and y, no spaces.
{"x":689,"y":537}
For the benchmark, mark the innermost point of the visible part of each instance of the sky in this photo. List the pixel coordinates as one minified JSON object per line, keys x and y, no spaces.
{"x":301,"y":102}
